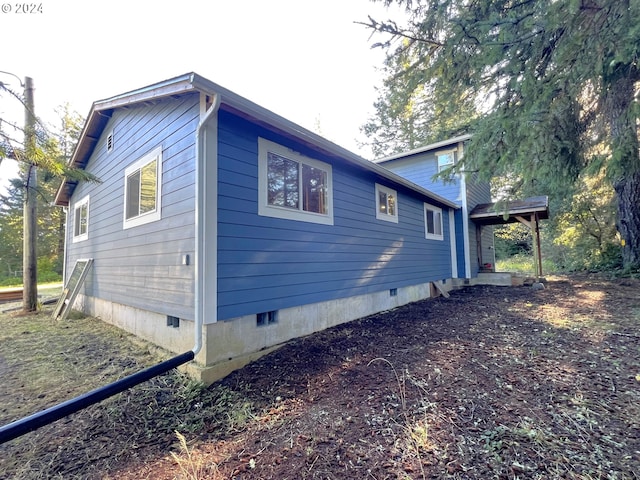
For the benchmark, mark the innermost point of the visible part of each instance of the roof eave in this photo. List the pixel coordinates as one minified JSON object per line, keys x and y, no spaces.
{"x":193,"y":82}
{"x":100,"y":114}
{"x":433,"y":146}
{"x":237,"y":102}
{"x":493,"y":213}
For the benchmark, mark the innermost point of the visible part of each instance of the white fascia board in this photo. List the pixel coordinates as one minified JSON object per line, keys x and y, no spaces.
{"x":450,"y":142}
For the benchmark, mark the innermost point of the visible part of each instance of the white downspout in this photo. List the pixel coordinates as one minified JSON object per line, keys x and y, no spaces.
{"x":465,"y":217}
{"x":452,"y":244}
{"x":201,"y":219}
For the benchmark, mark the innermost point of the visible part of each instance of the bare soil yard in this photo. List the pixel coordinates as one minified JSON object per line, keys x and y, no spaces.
{"x":491,"y":383}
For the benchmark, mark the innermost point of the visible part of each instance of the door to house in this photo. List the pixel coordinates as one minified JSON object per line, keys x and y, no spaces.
{"x":485,"y":259}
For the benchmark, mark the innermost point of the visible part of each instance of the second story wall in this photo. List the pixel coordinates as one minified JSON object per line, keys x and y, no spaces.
{"x":420,"y":170}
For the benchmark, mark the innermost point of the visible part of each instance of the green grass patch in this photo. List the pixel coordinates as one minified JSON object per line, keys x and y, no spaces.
{"x":524,"y":264}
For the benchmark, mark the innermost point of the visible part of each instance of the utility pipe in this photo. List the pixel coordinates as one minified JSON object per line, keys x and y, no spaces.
{"x":50,"y":415}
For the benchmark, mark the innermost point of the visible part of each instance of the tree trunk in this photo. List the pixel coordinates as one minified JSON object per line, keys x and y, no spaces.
{"x":59,"y":267}
{"x":628,"y":221}
{"x":625,"y":167}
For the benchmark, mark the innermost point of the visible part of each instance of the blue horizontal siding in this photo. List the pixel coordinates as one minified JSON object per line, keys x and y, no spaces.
{"x":142,"y":266}
{"x":268,"y":263}
{"x":420,"y":170}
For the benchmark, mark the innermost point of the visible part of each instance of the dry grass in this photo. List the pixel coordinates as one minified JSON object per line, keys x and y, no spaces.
{"x":45,"y":362}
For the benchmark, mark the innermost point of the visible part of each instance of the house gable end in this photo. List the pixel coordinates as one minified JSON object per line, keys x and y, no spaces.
{"x":143,"y":263}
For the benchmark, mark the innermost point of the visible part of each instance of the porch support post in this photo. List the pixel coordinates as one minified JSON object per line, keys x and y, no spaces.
{"x":536,"y":223}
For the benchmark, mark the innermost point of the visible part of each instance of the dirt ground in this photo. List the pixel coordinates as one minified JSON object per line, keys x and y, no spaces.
{"x":491,"y":383}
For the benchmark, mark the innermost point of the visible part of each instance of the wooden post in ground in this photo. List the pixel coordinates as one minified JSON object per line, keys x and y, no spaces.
{"x":539,"y":252}
{"x":29,"y":259}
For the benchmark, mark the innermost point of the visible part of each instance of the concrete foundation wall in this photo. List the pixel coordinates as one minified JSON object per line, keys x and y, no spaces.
{"x":228,"y":345}
{"x":504,"y":279}
{"x":147,"y":325}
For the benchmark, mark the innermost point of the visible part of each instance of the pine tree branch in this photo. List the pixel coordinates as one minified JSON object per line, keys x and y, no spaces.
{"x":392,"y":29}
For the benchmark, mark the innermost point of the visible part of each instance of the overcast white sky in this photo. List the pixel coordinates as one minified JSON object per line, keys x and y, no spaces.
{"x":305,"y":60}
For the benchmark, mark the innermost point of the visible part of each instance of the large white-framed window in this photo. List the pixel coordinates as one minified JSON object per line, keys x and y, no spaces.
{"x":81,"y":219}
{"x":143,"y":190}
{"x":446,"y":159}
{"x":433,"y":222}
{"x":293,"y":186}
{"x":386,"y":204}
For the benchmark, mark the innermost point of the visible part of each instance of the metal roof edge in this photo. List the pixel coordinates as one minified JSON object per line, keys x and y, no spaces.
{"x":95,"y":120}
{"x":171,"y":86}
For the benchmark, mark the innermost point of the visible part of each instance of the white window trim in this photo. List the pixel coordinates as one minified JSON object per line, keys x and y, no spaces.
{"x":381,"y":215}
{"x":445,"y":152}
{"x":76,"y":206}
{"x":153,"y":215}
{"x":433,"y":236}
{"x":266,"y":210}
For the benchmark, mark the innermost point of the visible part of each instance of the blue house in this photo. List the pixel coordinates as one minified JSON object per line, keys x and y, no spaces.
{"x":474,"y":239}
{"x":220,"y":225}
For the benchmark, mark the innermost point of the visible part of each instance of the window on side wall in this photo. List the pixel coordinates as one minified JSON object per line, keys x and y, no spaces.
{"x":433,"y":222}
{"x":446,"y":159}
{"x":293,"y":186}
{"x":142,"y":190}
{"x":386,"y":204}
{"x":81,"y":219}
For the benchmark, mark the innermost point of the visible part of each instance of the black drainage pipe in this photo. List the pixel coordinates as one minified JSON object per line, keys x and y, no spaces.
{"x":50,"y":415}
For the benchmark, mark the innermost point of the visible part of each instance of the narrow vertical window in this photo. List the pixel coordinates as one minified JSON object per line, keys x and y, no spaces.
{"x":133,"y":195}
{"x":314,"y":188}
{"x":282,"y":176}
{"x":142,"y":190}
{"x":433,"y":222}
{"x":81,"y":220}
{"x":148,"y":187}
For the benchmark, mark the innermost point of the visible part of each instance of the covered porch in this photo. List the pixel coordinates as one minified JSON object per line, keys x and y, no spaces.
{"x":528,"y":212}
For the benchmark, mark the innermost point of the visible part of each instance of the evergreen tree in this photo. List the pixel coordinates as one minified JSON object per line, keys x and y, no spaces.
{"x":55,"y":145}
{"x":554,"y":84}
{"x":11,"y":230}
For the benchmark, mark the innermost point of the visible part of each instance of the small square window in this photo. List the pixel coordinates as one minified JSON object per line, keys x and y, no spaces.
{"x":81,"y":220}
{"x":386,"y":204}
{"x":446,"y":159}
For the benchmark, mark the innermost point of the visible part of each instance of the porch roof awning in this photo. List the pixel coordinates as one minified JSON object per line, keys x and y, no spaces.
{"x":510,"y":211}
